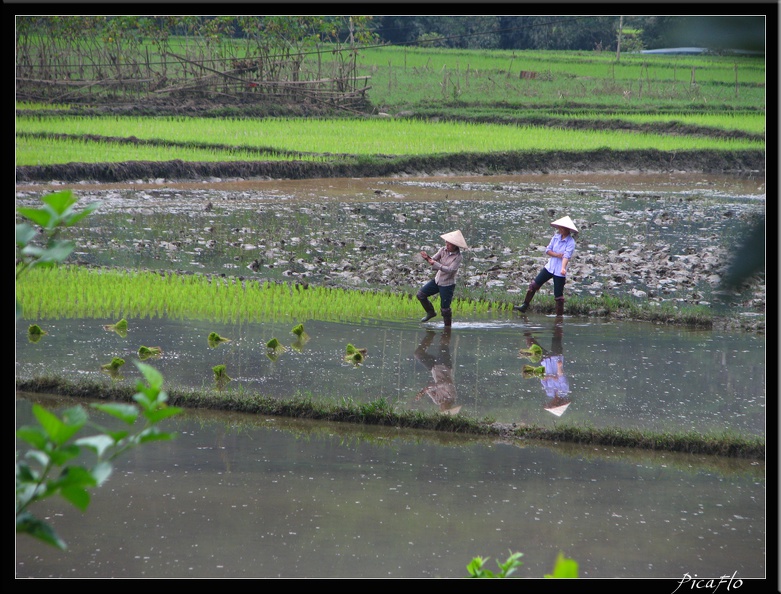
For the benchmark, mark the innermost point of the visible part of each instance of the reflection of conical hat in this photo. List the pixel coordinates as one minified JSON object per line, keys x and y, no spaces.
{"x":558,"y":410}
{"x":565,"y":222}
{"x":455,"y":238}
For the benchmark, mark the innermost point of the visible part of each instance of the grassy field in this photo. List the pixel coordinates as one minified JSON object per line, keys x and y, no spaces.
{"x":445,"y":102}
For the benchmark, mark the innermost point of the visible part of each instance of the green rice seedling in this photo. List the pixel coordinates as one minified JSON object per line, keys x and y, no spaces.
{"x":120,"y":327}
{"x":221,"y":377}
{"x":113,"y":369}
{"x":116,"y":363}
{"x":145,"y":352}
{"x":354,"y":355}
{"x":215,"y":339}
{"x":35,"y":333}
{"x":532,"y":371}
{"x":356,"y":358}
{"x":274,"y":349}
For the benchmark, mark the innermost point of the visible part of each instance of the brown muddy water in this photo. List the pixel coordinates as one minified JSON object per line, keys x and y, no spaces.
{"x":241,"y":496}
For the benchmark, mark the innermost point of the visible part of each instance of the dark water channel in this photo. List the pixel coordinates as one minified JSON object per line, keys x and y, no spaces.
{"x":242,"y":496}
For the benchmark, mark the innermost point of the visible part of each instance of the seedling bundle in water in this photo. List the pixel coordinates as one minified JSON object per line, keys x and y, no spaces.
{"x":355,"y":355}
{"x":215,"y":339}
{"x":34,"y":333}
{"x":532,"y":371}
{"x":534,"y":353}
{"x":112,"y":368}
{"x":120,"y":327}
{"x":145,"y":352}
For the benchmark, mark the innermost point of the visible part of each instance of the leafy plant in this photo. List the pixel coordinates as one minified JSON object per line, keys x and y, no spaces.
{"x":56,"y":214}
{"x":49,"y":467}
{"x":563,"y":568}
{"x":476,"y":567}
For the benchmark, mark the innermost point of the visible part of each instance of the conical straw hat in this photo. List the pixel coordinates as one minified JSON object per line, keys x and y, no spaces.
{"x":558,"y":410}
{"x":455,"y":238}
{"x":565,"y":222}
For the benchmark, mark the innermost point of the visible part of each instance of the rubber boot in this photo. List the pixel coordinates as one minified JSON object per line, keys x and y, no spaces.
{"x":559,"y":306}
{"x":533,"y":288}
{"x":430,"y":312}
{"x":447,"y":315}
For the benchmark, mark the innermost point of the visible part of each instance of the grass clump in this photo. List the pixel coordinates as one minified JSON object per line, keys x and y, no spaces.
{"x":380,"y":412}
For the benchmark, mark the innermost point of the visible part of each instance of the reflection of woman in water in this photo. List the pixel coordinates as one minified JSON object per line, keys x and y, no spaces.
{"x":441,"y":389}
{"x":554,"y":382}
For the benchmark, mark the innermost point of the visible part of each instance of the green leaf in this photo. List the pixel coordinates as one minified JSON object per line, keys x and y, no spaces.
{"x":77,"y":496}
{"x":153,"y":377}
{"x":101,"y":472}
{"x":26,"y":523}
{"x":152,"y":434}
{"x":35,"y":436}
{"x":564,"y":568}
{"x":155,"y":416}
{"x":60,"y":431}
{"x":124,"y":412}
{"x":97,"y":443}
{"x":85,"y":212}
{"x":24,"y":234}
{"x":60,"y":202}
{"x":38,"y":216}
{"x":63,"y":454}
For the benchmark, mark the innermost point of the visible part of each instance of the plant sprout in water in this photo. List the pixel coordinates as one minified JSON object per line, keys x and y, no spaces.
{"x":355,"y":355}
{"x":274,"y":348}
{"x":532,"y":371}
{"x":120,"y":327}
{"x":145,"y":352}
{"x":221,"y":378}
{"x":34,"y":333}
{"x":215,"y":339}
{"x":112,"y":369}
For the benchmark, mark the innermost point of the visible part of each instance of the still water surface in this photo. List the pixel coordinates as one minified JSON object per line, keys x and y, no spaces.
{"x":244,"y":496}
{"x":241,"y":496}
{"x":613,"y":373}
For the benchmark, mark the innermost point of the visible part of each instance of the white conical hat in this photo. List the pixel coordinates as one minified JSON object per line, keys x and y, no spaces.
{"x":558,"y":410}
{"x":455,"y":238}
{"x":565,"y":222}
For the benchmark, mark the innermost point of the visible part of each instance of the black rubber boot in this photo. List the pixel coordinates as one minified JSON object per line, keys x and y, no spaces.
{"x":533,"y":288}
{"x":447,"y":315}
{"x":430,"y":312}
{"x":559,"y":306}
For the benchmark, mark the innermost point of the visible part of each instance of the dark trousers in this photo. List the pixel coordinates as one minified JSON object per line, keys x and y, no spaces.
{"x":558,"y":282}
{"x":445,"y":293}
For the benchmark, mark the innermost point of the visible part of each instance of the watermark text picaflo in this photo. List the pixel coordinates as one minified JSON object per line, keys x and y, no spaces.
{"x":713,"y":584}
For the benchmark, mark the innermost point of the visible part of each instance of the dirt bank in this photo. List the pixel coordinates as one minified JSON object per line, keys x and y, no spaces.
{"x":508,"y":163}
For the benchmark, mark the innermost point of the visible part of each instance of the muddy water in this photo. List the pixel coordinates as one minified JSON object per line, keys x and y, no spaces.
{"x":657,"y":237}
{"x":241,"y":496}
{"x":630,"y":375}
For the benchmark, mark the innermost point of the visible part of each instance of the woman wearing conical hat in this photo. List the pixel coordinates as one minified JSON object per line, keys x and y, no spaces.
{"x":446,"y":262}
{"x":559,"y":250}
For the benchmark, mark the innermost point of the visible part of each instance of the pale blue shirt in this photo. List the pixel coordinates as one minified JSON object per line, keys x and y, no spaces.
{"x":561,"y":246}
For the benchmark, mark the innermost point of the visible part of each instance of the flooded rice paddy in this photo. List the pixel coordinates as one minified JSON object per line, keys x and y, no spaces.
{"x":238,"y":496}
{"x":613,"y":374}
{"x":241,"y":496}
